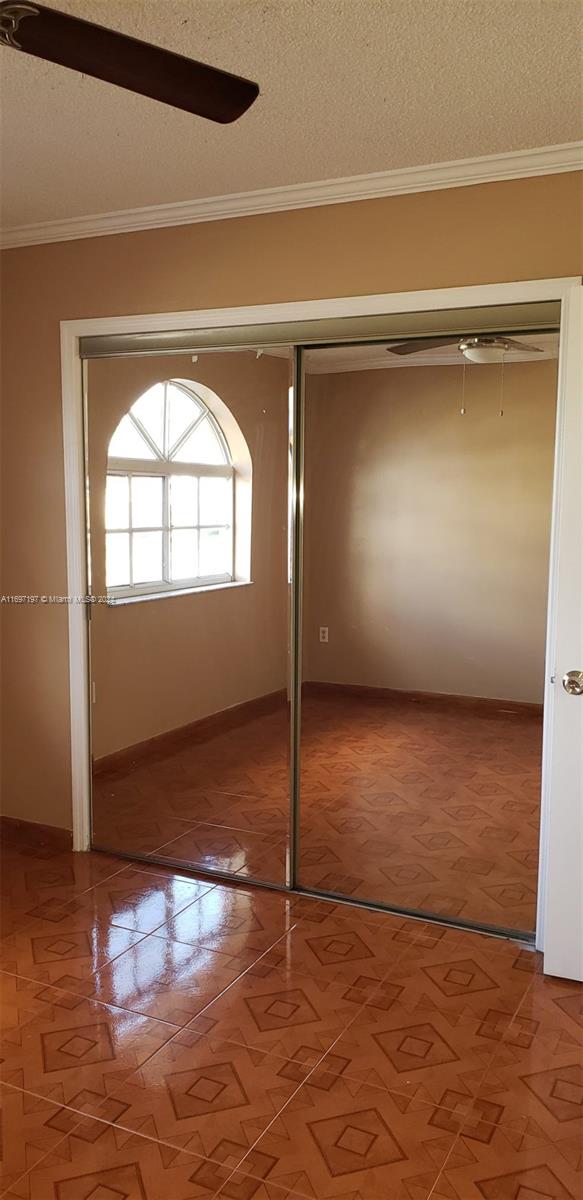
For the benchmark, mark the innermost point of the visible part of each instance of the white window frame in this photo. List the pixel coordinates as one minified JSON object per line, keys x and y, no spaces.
{"x":164,"y":468}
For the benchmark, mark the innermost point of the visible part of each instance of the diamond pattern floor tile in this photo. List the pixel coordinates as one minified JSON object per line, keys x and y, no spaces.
{"x":210,"y":1042}
{"x":338,"y":1139}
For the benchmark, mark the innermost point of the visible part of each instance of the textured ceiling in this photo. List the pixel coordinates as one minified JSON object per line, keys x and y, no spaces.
{"x":347,"y":87}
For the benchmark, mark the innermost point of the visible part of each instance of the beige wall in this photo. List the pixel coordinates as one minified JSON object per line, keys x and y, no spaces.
{"x":427,"y":532}
{"x":521,"y":229}
{"x":164,"y":663}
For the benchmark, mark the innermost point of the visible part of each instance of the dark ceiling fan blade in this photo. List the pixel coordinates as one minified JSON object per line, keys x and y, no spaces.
{"x":125,"y":61}
{"x":415,"y":345}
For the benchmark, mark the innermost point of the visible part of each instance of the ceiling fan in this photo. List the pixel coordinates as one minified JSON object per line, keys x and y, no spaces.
{"x":481,"y":348}
{"x":138,"y":66}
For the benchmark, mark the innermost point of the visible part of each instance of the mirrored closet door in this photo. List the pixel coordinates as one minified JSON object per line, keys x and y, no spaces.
{"x":427,"y":508}
{"x":318,"y":659}
{"x":188,"y":470}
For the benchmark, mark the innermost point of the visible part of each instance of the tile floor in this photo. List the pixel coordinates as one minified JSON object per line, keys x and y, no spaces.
{"x":415,"y":805}
{"x":167,"y":1039}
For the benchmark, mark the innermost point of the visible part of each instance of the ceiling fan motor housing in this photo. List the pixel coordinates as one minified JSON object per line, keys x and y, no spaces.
{"x":484,"y":349}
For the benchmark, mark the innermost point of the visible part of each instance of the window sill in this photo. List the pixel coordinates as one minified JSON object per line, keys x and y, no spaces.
{"x":118,"y":601}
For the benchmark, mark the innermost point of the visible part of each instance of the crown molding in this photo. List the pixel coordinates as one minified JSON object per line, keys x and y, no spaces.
{"x":463,"y":172}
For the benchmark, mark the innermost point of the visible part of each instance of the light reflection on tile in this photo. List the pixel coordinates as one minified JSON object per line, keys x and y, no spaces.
{"x":261,"y":1046}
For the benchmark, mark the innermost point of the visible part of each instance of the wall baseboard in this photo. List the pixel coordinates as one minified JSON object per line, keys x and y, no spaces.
{"x":439,"y":699}
{"x":162,"y":744}
{"x":30,"y":833}
{"x":197,"y":731}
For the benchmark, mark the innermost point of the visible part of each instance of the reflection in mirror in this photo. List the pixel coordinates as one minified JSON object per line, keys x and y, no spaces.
{"x":188,"y":468}
{"x":426,"y":538}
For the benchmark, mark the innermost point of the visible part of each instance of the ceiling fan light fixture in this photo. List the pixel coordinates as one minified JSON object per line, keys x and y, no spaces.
{"x":484,"y":350}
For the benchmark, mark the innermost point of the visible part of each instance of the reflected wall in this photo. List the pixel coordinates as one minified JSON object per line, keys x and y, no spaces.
{"x":190,"y":722}
{"x":426,"y":537}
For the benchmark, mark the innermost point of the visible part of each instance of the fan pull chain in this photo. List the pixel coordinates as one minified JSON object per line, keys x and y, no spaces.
{"x":501,"y":404}
{"x":463,"y":407}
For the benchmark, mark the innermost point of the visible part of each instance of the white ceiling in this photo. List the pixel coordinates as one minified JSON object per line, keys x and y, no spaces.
{"x":348,"y":87}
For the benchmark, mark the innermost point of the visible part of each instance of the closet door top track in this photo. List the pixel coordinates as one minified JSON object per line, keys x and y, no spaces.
{"x":508,"y":318}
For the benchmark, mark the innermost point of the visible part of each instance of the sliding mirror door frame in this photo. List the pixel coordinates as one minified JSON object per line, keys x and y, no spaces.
{"x":296,"y":575}
{"x":560,"y":910}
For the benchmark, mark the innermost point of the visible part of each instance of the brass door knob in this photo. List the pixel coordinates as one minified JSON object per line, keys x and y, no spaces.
{"x":573,"y":683}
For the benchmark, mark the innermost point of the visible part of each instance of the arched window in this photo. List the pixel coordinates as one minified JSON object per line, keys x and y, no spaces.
{"x":170,"y":494}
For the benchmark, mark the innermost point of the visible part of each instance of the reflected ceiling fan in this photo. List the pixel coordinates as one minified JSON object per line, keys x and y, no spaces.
{"x":479,"y":348}
{"x":138,"y":66}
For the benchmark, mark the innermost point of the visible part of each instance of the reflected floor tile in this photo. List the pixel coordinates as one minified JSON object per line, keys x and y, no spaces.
{"x":72,"y":1050}
{"x":165,"y":979}
{"x":282,"y":1012}
{"x":208,"y":1096}
{"x":270,"y":866}
{"x":233,"y":920}
{"x":195,"y":806}
{"x":97,"y":1161}
{"x":265,"y":813}
{"x":338,"y":1139}
{"x":426,"y":807}
{"x":137,"y":834}
{"x":260,"y":812}
{"x":220,"y":848}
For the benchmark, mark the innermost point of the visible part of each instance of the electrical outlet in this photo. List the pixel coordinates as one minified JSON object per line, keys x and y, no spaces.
{"x":323,"y":633}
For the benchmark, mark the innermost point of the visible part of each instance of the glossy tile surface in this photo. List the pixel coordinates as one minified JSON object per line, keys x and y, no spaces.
{"x":208,"y":1096}
{"x":165,"y":979}
{"x":167,"y":1039}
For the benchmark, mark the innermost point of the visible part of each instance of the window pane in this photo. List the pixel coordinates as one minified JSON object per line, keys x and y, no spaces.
{"x":127,"y":441}
{"x":216,"y":504}
{"x":149,"y":409}
{"x":183,"y":500}
{"x":117,"y":502}
{"x":181,"y":412}
{"x":202,"y":446}
{"x":183,"y":554}
{"x":147,"y":557}
{"x":146,"y":502}
{"x":215,"y":554}
{"x":117,"y":559}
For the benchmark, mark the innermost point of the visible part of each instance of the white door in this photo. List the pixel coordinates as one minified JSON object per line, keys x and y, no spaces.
{"x":560,"y":933}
